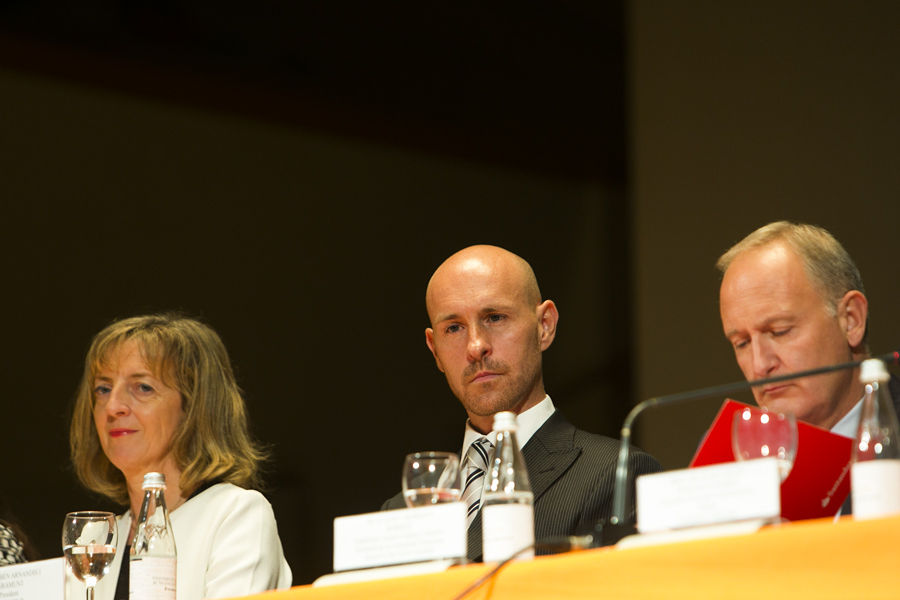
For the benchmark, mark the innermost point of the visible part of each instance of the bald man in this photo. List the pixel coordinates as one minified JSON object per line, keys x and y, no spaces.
{"x":792,"y":299}
{"x":489,"y":329}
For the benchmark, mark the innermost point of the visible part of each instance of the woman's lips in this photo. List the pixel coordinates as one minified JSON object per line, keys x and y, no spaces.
{"x":120,"y":432}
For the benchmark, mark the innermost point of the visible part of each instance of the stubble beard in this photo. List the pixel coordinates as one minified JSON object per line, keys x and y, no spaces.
{"x":503,"y":394}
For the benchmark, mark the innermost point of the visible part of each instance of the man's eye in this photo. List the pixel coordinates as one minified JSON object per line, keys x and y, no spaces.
{"x":780,"y":332}
{"x":738,"y":344}
{"x":452,"y":328}
{"x":494,"y":318}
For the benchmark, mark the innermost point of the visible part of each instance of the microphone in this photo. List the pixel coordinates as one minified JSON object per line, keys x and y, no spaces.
{"x":617,"y":525}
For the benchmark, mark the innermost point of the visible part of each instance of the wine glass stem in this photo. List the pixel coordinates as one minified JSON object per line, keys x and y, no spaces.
{"x":90,"y":592}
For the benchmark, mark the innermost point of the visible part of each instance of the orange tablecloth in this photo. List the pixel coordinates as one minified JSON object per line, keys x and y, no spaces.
{"x":810,"y":559}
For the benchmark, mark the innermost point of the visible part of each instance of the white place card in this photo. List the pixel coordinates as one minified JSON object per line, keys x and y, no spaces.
{"x":38,"y":580}
{"x":723,"y":493}
{"x":391,"y":572}
{"x":393,"y":537}
{"x":690,"y":534}
{"x":875,"y":485}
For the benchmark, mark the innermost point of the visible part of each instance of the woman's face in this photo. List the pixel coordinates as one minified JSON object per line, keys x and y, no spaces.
{"x":136,"y":414}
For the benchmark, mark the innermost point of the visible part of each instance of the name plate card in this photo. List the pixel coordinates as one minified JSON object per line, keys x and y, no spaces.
{"x":723,"y":493}
{"x":38,"y":580}
{"x":401,"y":536}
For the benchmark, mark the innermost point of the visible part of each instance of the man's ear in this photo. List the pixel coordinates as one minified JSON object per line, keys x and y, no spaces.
{"x":548,"y":317}
{"x":853,"y":313}
{"x":429,"y":341}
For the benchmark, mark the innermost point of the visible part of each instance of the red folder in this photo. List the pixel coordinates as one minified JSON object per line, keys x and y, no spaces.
{"x":820,"y":480}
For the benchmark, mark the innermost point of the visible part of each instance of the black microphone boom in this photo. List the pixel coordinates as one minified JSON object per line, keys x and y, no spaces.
{"x":618,"y":520}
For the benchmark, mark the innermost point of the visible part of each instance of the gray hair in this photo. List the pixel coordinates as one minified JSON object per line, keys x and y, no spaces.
{"x":827,"y":264}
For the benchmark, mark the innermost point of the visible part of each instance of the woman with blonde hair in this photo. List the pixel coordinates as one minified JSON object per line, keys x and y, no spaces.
{"x":158,"y":395}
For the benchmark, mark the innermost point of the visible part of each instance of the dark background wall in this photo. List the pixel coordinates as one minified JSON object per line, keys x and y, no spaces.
{"x":296,"y":192}
{"x":292,"y":176}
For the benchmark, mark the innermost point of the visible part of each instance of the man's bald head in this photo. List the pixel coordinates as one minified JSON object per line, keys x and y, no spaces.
{"x":491,"y":261}
{"x":488,"y":331}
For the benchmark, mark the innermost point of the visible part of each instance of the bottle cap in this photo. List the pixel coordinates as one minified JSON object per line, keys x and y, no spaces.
{"x":873,"y":369}
{"x":154,"y":480}
{"x":505,"y":421}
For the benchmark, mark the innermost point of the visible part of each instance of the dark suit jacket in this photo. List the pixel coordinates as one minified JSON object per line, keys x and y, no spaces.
{"x":572,"y":474}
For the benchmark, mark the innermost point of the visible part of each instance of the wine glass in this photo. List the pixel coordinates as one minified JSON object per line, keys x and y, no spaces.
{"x":430,"y":478}
{"x":89,"y":545}
{"x":758,"y":433}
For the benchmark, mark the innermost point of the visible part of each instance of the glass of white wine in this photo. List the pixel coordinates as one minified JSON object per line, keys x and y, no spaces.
{"x":430,"y":478}
{"x":758,"y":433}
{"x":89,"y":545}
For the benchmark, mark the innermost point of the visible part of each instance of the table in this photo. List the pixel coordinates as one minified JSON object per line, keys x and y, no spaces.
{"x":810,"y":559}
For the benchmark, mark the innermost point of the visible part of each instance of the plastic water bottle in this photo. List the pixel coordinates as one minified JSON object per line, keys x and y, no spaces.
{"x":508,"y":512}
{"x":875,"y":474}
{"x":153,"y":557}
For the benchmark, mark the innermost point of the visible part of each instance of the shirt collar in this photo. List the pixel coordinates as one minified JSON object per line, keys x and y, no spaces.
{"x":529,"y":422}
{"x":849,"y":423}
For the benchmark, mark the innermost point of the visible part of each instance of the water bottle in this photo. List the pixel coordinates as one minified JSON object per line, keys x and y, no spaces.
{"x":153,"y":559}
{"x":875,"y":474}
{"x":507,"y":517}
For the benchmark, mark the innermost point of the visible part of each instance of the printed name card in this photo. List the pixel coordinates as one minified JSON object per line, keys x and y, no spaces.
{"x":724,"y":493}
{"x":401,"y":536}
{"x":38,"y":580}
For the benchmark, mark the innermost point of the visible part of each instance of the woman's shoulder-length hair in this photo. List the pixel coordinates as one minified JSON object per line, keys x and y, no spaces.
{"x":212,"y":442}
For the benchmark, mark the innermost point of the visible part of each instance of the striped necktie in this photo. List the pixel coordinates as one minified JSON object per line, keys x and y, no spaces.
{"x":477,"y":458}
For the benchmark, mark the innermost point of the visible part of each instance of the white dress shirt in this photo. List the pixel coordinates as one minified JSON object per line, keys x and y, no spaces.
{"x":849,"y":423}
{"x":528,"y":422}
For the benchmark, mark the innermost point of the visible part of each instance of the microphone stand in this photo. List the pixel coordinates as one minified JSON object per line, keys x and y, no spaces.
{"x":617,"y":526}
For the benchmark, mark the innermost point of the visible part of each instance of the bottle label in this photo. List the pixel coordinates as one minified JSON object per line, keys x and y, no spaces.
{"x":151,"y":578}
{"x":507,"y":528}
{"x":875,"y":487}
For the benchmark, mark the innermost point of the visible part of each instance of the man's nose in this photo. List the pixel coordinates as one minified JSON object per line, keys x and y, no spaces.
{"x":479,"y":345}
{"x":765,"y":359}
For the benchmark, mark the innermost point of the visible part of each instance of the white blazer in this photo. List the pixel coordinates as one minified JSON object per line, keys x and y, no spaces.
{"x":227,"y":543}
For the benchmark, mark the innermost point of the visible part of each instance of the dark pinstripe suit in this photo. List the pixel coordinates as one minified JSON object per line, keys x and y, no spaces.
{"x":572,"y":474}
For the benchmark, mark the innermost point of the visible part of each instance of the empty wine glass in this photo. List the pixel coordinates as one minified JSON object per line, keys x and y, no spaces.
{"x":430,"y":478}
{"x":758,"y":433}
{"x":89,"y":545}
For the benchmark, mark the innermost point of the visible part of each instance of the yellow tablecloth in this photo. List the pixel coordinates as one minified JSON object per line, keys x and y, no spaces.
{"x":811,"y":559}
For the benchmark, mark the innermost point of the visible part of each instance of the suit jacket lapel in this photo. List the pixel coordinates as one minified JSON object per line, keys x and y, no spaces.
{"x":549,"y":453}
